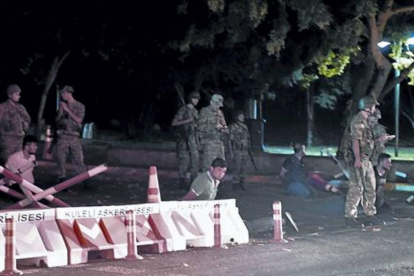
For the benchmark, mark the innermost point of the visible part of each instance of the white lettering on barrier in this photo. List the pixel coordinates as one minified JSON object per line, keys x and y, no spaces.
{"x":177,"y":206}
{"x":105,"y":211}
{"x":28,"y":215}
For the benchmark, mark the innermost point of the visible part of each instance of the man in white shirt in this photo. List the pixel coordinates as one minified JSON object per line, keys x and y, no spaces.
{"x":24,"y":161}
{"x":205,"y":185}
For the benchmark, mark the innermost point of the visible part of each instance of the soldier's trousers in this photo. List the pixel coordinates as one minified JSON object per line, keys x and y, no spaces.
{"x":361,"y":189}
{"x":69,"y":144}
{"x":8,"y":145}
{"x":188,"y":159}
{"x":240,"y":159}
{"x":211,"y":151}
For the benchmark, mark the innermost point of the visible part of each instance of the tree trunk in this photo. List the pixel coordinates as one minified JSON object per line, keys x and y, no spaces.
{"x":310,"y":114}
{"x":50,"y":79}
{"x":381,"y":79}
{"x":359,"y":90}
{"x":392,"y":83}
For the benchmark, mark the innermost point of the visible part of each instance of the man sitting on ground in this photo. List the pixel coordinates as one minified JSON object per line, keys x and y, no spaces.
{"x":205,"y":185}
{"x":295,"y":178}
{"x":23,"y":162}
{"x":381,"y":172}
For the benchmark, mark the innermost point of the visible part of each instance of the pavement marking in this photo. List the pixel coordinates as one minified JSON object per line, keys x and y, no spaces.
{"x":119,"y":270}
{"x":75,"y":265}
{"x":30,"y":271}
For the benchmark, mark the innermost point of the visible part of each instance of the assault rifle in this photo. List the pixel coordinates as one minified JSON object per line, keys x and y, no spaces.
{"x":337,"y":163}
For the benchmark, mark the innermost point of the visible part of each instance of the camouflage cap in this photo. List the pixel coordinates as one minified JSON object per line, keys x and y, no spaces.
{"x":194,"y":95}
{"x":13,"y":88}
{"x":217,"y":98}
{"x":67,"y":88}
{"x":367,"y":101}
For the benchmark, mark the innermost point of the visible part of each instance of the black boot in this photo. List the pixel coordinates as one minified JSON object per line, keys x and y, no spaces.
{"x":353,"y":223}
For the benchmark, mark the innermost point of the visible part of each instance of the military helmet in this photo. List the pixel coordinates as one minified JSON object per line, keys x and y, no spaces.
{"x":366,"y":102}
{"x":12,"y":88}
{"x":67,"y":88}
{"x":194,"y":95}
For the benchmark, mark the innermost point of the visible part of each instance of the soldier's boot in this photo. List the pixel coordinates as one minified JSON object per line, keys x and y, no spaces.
{"x":374,"y":221}
{"x":353,"y":223}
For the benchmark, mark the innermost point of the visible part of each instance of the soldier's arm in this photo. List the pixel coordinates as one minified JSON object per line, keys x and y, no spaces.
{"x":222,"y":122}
{"x":357,"y":134}
{"x":178,"y":119}
{"x":357,"y":154}
{"x":25,"y":117}
{"x":202,"y":120}
{"x":78,"y":114}
{"x":24,"y":114}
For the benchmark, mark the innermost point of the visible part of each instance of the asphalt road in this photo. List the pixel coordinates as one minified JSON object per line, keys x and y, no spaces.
{"x":387,"y":251}
{"x":323,"y":245}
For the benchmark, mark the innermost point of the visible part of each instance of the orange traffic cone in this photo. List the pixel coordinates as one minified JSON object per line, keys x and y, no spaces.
{"x":154,"y":195}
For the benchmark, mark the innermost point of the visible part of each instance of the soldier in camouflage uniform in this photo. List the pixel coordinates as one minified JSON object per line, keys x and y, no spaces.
{"x":362,"y":186}
{"x":187,"y":143}
{"x":68,"y":126}
{"x":380,"y":135}
{"x":14,"y":123}
{"x":240,"y":146}
{"x":212,"y":127}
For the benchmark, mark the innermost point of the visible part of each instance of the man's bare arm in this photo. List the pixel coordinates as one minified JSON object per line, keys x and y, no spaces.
{"x":191,"y":195}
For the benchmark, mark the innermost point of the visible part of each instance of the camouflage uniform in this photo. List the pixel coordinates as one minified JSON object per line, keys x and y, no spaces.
{"x":68,"y":131}
{"x":379,"y":131}
{"x":14,"y":122}
{"x":211,"y":138}
{"x":362,"y":181}
{"x":187,"y":143}
{"x":240,"y":145}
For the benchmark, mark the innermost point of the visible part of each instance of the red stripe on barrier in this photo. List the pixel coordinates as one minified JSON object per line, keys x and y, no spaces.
{"x":131,"y":236}
{"x":217,"y":226}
